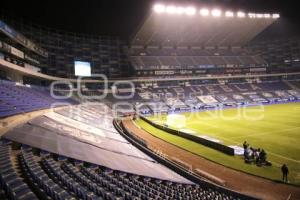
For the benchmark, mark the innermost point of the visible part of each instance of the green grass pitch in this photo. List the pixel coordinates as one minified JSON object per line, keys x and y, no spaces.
{"x":275,"y":128}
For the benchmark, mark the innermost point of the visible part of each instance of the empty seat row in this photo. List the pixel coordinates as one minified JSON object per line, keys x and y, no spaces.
{"x":40,"y":180}
{"x":104,"y":192}
{"x":3,"y":195}
{"x":54,"y":171}
{"x":10,"y":181}
{"x":49,"y":178}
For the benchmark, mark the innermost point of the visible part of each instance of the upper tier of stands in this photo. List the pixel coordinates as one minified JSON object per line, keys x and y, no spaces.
{"x":16,"y":98}
{"x":105,"y":53}
{"x":282,"y":54}
{"x":187,"y":52}
{"x":160,"y":48}
{"x":189,"y":58}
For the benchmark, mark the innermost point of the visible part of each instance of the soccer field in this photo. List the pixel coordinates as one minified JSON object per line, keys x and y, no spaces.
{"x":274,"y":128}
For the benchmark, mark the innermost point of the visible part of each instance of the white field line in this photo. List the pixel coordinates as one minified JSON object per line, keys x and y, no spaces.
{"x":274,"y":154}
{"x":286,"y":158}
{"x":220,"y":137}
{"x":264,"y":133}
{"x":267,"y":133}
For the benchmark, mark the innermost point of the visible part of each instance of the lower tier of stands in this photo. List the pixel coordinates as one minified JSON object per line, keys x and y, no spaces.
{"x":38,"y":174}
{"x":12,"y":185}
{"x":173,"y":96}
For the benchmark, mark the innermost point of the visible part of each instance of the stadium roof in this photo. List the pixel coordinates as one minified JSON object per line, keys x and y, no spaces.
{"x":169,"y":25}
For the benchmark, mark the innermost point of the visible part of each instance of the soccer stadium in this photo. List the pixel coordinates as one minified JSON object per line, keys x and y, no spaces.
{"x":138,"y":100}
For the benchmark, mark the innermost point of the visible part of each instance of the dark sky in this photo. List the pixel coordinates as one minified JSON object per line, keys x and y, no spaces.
{"x":122,"y":17}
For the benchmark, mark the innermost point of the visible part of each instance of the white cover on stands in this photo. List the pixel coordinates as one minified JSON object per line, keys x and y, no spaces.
{"x":81,"y":137}
{"x":207,"y":99}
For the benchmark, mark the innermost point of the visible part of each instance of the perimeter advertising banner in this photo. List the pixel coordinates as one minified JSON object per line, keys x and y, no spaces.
{"x":170,"y":72}
{"x":5,"y":47}
{"x":16,"y":52}
{"x":261,"y":69}
{"x":162,"y":72}
{"x":10,"y":32}
{"x":32,"y":59}
{"x":12,"y":50}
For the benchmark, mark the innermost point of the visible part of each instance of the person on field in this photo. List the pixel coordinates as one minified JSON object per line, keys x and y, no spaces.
{"x":245,"y":145}
{"x":263,"y":156}
{"x":257,"y":155}
{"x":285,"y":172}
{"x":247,"y":156}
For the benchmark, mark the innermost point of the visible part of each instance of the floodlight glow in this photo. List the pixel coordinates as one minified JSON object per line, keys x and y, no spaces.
{"x":159,"y":8}
{"x":229,"y":14}
{"x":259,"y":15}
{"x":241,"y":14}
{"x":204,"y":12}
{"x":216,"y":13}
{"x":275,"y":16}
{"x":180,"y":10}
{"x":190,"y":11}
{"x":251,"y":15}
{"x":170,"y":9}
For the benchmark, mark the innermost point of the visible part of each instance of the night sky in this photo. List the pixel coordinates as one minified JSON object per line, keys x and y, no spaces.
{"x":122,"y":17}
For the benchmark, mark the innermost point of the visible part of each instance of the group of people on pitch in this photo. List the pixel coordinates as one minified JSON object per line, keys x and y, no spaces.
{"x":253,"y":155}
{"x":260,"y":158}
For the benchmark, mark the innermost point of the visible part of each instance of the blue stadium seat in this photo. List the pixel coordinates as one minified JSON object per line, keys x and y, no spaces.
{"x":10,"y":181}
{"x":20,"y":99}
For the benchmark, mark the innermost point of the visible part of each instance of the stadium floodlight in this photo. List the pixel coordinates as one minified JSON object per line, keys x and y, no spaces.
{"x":251,"y":15}
{"x":190,"y":11}
{"x":229,"y":14}
{"x":204,"y":12}
{"x":259,"y":15}
{"x":241,"y":14}
{"x":171,"y":9}
{"x":158,"y":8}
{"x":216,"y":13}
{"x":180,"y":10}
{"x":267,"y":16}
{"x":275,"y":16}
